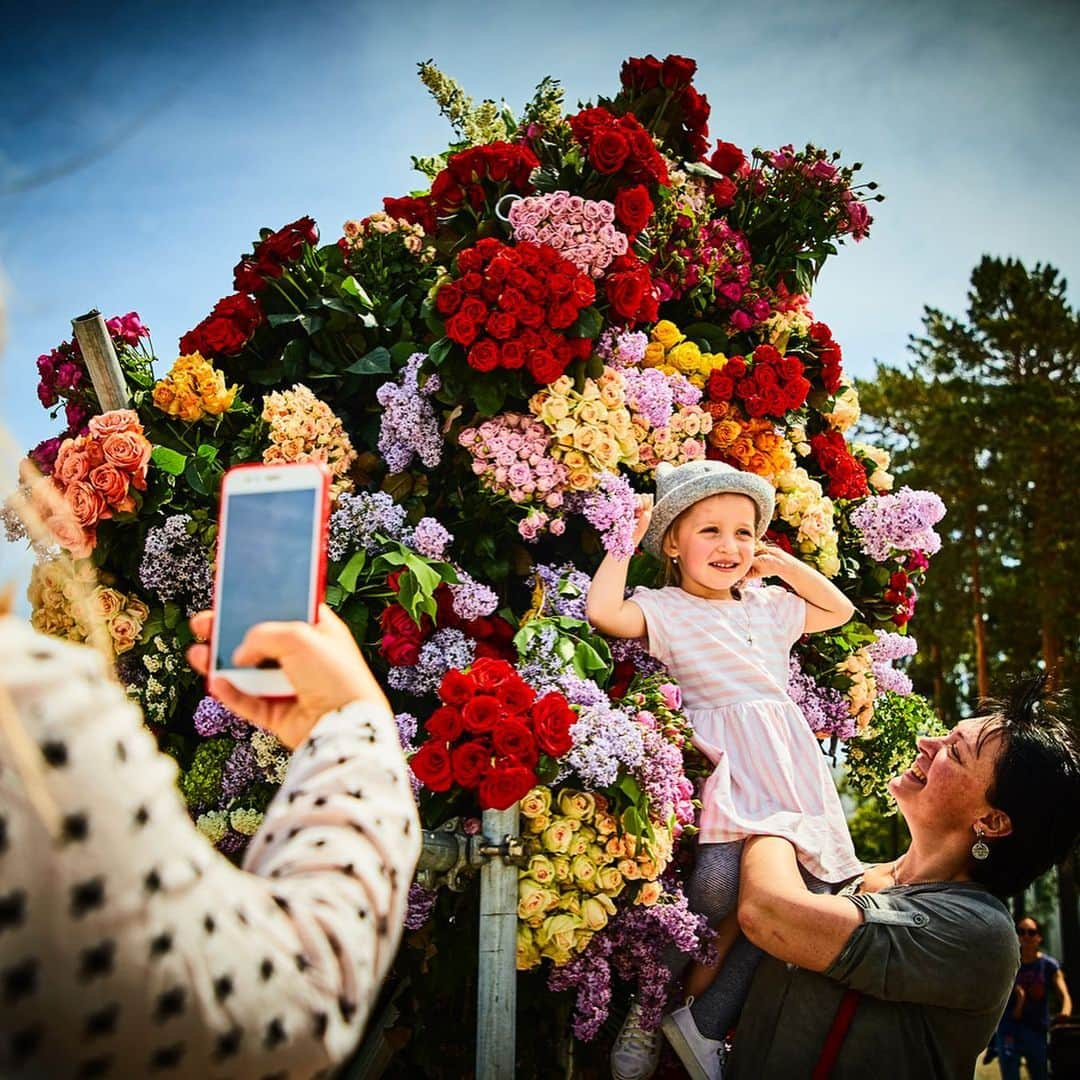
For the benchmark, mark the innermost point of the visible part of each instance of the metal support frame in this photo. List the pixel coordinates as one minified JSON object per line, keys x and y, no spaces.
{"x":100,"y":356}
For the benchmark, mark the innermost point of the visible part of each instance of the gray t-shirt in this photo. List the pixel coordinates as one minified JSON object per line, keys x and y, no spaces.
{"x":935,"y":964}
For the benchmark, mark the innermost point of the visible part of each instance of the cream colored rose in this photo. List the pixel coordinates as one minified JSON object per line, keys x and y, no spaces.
{"x":558,"y":836}
{"x":649,"y":893}
{"x":541,"y":869}
{"x":610,"y":880}
{"x":536,"y":803}
{"x":533,"y":899}
{"x":579,"y":805}
{"x":584,"y":871}
{"x":527,"y":955}
{"x":595,"y":912}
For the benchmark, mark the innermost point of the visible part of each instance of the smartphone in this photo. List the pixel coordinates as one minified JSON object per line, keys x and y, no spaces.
{"x":271,"y":563}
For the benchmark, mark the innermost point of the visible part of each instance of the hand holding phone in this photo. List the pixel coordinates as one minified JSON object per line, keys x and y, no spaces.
{"x":271,"y":566}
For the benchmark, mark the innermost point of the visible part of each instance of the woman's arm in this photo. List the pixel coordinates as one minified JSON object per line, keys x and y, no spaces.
{"x":1063,"y":990}
{"x":605,"y":607}
{"x":1018,"y":998}
{"x":826,"y":605}
{"x":778,"y":914}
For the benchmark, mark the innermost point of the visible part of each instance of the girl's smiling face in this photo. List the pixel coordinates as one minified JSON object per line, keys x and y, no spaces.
{"x":714,"y":541}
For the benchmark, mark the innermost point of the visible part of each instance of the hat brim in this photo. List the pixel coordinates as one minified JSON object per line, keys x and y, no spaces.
{"x":701,"y":487}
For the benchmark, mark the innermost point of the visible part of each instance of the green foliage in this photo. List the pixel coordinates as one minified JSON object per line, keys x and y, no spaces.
{"x":201,"y":782}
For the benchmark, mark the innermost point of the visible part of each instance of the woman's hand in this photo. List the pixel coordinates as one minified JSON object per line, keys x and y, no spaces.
{"x":642,"y":516}
{"x":321,"y":661}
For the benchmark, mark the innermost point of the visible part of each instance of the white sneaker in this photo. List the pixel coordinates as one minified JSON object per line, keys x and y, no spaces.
{"x":636,"y":1052}
{"x":700,"y":1056}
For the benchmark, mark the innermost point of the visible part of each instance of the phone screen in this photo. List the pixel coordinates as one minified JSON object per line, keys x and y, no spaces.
{"x":266,"y":571}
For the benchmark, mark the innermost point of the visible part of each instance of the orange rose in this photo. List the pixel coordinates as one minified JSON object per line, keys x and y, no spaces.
{"x":71,"y":464}
{"x":117,"y":422}
{"x":129,"y":451}
{"x":113,"y":485}
{"x":87,"y":505}
{"x":68,"y":534}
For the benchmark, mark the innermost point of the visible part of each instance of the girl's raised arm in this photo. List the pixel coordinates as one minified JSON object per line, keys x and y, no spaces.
{"x":605,"y":608}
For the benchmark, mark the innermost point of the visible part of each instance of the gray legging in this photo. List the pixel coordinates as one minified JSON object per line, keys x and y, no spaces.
{"x":714,"y":893}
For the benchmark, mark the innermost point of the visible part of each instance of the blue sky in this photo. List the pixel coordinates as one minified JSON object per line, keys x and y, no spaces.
{"x":142,"y":145}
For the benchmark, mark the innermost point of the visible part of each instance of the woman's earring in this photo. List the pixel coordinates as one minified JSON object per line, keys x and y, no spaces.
{"x":675,"y":559}
{"x":980,"y":850}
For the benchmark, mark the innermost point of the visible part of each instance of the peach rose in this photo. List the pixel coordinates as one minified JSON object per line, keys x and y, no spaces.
{"x":128,"y":450}
{"x":87,"y":505}
{"x":649,"y":893}
{"x":71,"y":463}
{"x":113,"y":485}
{"x":124,"y":630}
{"x":67,"y":532}
{"x":116,"y":422}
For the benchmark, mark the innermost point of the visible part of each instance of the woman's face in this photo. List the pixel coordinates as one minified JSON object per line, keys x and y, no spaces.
{"x":714,"y":541}
{"x":945,"y":788}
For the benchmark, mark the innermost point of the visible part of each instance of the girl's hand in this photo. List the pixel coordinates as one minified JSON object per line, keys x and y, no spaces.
{"x":769,"y":561}
{"x":642,"y":517}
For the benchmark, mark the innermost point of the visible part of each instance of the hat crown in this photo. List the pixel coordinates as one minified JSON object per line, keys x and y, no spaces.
{"x":669,"y":477}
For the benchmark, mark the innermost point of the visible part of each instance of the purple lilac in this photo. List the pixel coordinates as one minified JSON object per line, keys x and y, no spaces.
{"x":649,"y":393}
{"x":826,"y":710}
{"x":240,"y":771}
{"x":409,"y":427}
{"x":883,"y":652}
{"x":900,"y":522}
{"x":232,"y":843}
{"x":430,"y":539}
{"x":660,"y":773}
{"x":365,"y":520}
{"x":565,"y":589}
{"x":622,"y":349}
{"x":212,"y":718}
{"x":407,"y":726}
{"x":421,"y":903}
{"x":471,"y":600}
{"x":604,"y":738}
{"x":175,"y":564}
{"x":632,"y":650}
{"x":445,"y":649}
{"x":610,"y":510}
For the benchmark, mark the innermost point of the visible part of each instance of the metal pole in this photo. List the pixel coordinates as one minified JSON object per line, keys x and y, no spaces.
{"x":100,"y":356}
{"x":497,"y":977}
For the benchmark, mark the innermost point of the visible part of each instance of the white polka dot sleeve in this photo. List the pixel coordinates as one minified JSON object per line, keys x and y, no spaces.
{"x":129,"y":946}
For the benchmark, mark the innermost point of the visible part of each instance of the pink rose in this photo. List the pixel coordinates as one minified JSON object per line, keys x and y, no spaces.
{"x":68,"y":534}
{"x":119,"y":420}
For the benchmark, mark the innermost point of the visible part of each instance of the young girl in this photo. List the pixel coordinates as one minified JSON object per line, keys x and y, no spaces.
{"x":728,"y":647}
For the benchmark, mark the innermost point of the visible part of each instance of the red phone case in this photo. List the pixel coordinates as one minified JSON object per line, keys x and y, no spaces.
{"x":323,"y":511}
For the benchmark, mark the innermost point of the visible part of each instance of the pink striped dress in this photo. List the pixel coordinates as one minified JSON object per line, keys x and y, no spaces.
{"x":730,"y":658}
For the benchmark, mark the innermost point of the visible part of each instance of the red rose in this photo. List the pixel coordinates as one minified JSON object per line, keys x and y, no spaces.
{"x":246,"y":277}
{"x":473,"y":309}
{"x":723,"y":192}
{"x":481,"y":713}
{"x":470,"y":761}
{"x":456,"y":687}
{"x":484,"y":355}
{"x":677,"y":71}
{"x":790,"y":368}
{"x":448,"y":298}
{"x":445,"y":723}
{"x":501,"y":325}
{"x":642,"y":72}
{"x":470,"y":260}
{"x":552,"y":719}
{"x":609,"y":151}
{"x":511,"y":355}
{"x":735,"y":368}
{"x":491,"y":674}
{"x":727,"y":158}
{"x":633,"y":208}
{"x":394,"y":619}
{"x":720,"y":387}
{"x":460,"y":329}
{"x":400,"y":651}
{"x":516,"y":695}
{"x":696,"y":116}
{"x":544,"y":366}
{"x":415,"y":211}
{"x":431,"y":763}
{"x":513,"y":739}
{"x":501,"y":788}
{"x":625,"y":292}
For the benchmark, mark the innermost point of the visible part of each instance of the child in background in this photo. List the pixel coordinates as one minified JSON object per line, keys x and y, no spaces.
{"x":729,"y":649}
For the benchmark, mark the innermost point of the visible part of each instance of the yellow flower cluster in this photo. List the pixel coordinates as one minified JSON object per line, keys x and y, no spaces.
{"x":751,"y":444}
{"x":858,"y":667}
{"x":591,"y":429}
{"x":845,"y":410}
{"x":669,"y":350}
{"x":413,"y":237}
{"x":783,"y":325}
{"x":303,"y":428}
{"x":66,"y":603}
{"x":476,"y":124}
{"x":578,"y":864}
{"x":801,"y":503}
{"x":193,"y":389}
{"x":880,"y":479}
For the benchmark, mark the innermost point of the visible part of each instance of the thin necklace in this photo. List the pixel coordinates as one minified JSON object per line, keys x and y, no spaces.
{"x":749,"y":625}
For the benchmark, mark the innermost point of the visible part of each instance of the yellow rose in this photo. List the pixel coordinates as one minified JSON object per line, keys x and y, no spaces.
{"x":562,"y":868}
{"x":579,"y":805}
{"x":558,"y":836}
{"x":527,"y":954}
{"x":570,"y":901}
{"x":556,"y":936}
{"x":541,"y":869}
{"x":582,"y":480}
{"x":553,"y":410}
{"x":534,"y":899}
{"x":107,"y":602}
{"x":583,"y":841}
{"x":584,"y":871}
{"x":667,"y":334}
{"x":595,"y":912}
{"x":629,"y":869}
{"x":605,"y":823}
{"x":654,"y":354}
{"x":649,"y":893}
{"x":610,"y":880}
{"x":585,"y":439}
{"x":536,"y":803}
{"x":562,"y":385}
{"x":537,"y":825}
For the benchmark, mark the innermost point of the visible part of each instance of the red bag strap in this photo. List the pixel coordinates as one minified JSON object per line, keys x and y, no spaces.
{"x":830,"y":1051}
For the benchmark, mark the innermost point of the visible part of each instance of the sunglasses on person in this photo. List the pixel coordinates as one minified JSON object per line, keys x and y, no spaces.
{"x":1024,"y":931}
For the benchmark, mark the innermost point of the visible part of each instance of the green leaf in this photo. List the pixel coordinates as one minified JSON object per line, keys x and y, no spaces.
{"x":631,"y":821}
{"x":589,"y":323}
{"x":392,"y":315}
{"x":630,"y":787}
{"x":351,"y":571}
{"x":489,"y":397}
{"x":283,"y":318}
{"x":351,"y":287}
{"x":716,"y":338}
{"x":438,"y":352}
{"x":312,"y":324}
{"x":376,"y":362}
{"x":207,"y":452}
{"x":426,"y":578}
{"x":402,"y":350}
{"x":168,"y":461}
{"x":334,"y":595}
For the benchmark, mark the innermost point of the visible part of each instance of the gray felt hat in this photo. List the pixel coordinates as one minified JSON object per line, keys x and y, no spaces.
{"x":679,"y":487}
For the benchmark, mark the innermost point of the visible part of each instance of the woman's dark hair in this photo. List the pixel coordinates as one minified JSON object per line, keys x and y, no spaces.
{"x":1036,"y":782}
{"x":1029,"y":918}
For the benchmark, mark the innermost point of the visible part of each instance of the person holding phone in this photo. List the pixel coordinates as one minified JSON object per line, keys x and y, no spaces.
{"x":128,"y":945}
